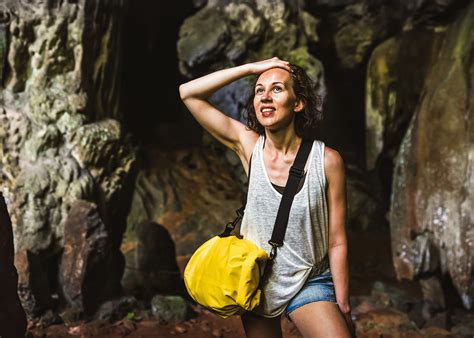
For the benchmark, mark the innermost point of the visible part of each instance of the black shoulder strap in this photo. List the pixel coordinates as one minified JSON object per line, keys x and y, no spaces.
{"x":294,"y":177}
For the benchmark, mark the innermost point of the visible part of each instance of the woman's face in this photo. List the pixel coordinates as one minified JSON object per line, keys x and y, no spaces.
{"x":275,"y":101}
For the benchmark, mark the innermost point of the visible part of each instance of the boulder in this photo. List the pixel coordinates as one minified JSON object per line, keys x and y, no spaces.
{"x":151,"y":265}
{"x":169,"y":309}
{"x":87,"y":259}
{"x":117,"y":309}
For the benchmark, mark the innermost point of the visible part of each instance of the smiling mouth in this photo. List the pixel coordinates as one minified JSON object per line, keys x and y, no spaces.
{"x":267,"y":111}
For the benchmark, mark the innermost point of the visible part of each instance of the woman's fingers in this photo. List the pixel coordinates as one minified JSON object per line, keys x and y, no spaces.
{"x":281,"y":63}
{"x":262,"y":66}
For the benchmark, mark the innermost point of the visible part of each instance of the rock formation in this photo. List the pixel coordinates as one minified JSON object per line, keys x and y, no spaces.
{"x":191,"y":192}
{"x":12,"y":315}
{"x":87,"y":259}
{"x":60,"y":132}
{"x":432,"y":218}
{"x":150,"y":264}
{"x":232,"y":33}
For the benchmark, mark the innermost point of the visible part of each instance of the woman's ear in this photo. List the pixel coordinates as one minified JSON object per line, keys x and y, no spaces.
{"x":299,"y":105}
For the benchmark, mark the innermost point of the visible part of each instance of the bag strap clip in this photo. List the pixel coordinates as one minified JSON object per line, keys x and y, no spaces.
{"x":297,"y":172}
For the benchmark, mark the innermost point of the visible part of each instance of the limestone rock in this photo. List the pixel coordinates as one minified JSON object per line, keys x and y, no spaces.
{"x":12,"y":315}
{"x":60,"y":126}
{"x":462,"y":323}
{"x":433,"y":297}
{"x":356,"y":27}
{"x":116,"y":309}
{"x":86,"y":260}
{"x":363,"y":202}
{"x":353,"y":38}
{"x":432,"y":204}
{"x":191,"y":192}
{"x":169,"y":309}
{"x":243,"y":32}
{"x":197,"y":51}
{"x":395,"y":74}
{"x":151,"y":265}
{"x":33,"y":283}
{"x":385,"y":322}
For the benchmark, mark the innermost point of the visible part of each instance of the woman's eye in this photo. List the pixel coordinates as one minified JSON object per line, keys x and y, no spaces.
{"x":277,"y":89}
{"x":259,"y":90}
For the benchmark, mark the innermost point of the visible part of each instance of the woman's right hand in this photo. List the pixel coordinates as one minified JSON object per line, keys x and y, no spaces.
{"x":262,"y":66}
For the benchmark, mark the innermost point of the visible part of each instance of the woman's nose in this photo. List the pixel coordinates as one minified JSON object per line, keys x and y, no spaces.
{"x":265,"y":96}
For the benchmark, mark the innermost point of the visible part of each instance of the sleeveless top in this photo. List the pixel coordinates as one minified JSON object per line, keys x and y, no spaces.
{"x":304,"y":251}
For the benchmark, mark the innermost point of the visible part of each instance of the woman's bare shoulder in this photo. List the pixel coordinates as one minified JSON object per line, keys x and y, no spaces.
{"x":333,"y":163}
{"x":248,"y":140}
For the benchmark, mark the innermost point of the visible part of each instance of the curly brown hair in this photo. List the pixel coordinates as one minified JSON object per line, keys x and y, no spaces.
{"x":308,"y":120}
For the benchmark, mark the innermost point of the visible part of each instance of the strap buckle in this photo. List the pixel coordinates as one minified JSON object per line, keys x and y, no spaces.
{"x":229,"y":227}
{"x":296,"y":172}
{"x":273,"y":251}
{"x":240,"y":211}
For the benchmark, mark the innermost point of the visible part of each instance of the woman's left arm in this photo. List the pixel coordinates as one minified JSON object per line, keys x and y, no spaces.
{"x":337,"y":250}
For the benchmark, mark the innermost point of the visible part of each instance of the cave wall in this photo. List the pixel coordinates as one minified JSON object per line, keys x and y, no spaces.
{"x":72,"y":87}
{"x":62,"y":139}
{"x":432,"y":215}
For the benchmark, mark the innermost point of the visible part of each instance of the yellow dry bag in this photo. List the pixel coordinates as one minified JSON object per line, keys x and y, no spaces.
{"x":223,"y":275}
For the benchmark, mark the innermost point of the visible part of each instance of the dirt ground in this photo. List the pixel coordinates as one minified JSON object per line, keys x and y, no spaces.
{"x":370,"y":261}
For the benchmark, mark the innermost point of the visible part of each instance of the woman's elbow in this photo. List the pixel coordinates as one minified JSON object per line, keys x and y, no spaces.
{"x":183,"y":91}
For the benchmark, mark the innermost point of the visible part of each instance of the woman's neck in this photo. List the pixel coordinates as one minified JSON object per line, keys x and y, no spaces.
{"x":282,"y":142}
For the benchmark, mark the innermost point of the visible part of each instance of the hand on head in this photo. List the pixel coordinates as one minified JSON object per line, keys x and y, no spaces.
{"x":262,"y":66}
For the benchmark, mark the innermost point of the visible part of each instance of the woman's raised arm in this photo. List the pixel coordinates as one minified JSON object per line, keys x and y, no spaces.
{"x":195,"y":96}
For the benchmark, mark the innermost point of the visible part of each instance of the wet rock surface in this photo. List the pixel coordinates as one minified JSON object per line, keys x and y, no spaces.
{"x":432,"y":213}
{"x":87,"y":262}
{"x":151,"y":266}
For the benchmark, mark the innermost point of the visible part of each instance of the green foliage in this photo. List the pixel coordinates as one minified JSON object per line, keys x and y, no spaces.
{"x":131,"y":315}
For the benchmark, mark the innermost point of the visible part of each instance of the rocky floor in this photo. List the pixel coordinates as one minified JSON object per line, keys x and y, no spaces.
{"x":382,"y":307}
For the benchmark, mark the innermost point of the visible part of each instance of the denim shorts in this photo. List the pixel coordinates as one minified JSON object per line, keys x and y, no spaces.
{"x":316,"y":289}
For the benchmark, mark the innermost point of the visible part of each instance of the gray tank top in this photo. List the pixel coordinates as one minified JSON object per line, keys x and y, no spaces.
{"x":304,"y":251}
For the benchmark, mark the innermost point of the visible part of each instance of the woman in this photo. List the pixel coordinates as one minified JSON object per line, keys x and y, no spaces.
{"x":309,"y":279}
